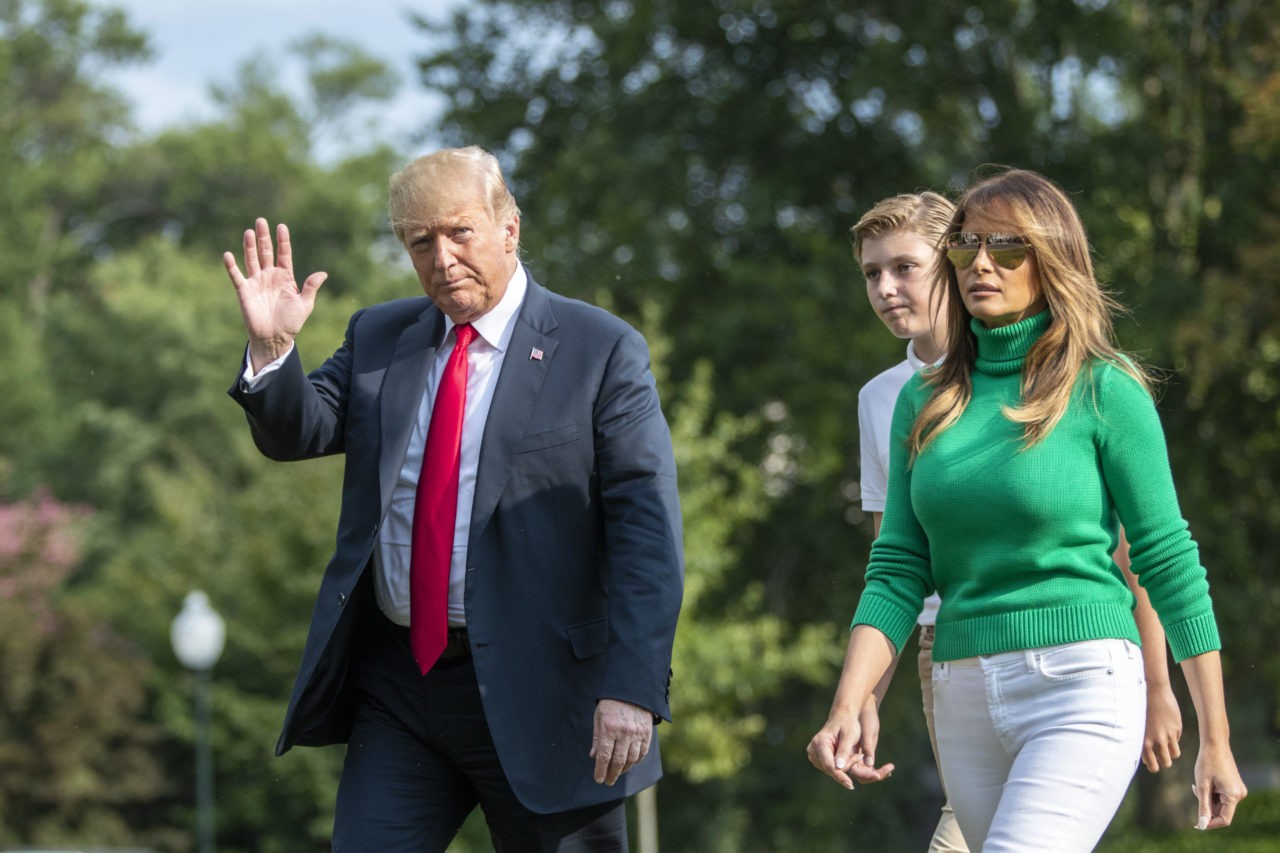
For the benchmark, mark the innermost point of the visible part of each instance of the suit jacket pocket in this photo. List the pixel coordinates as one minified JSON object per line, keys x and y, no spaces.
{"x":589,"y":639}
{"x":549,"y":438}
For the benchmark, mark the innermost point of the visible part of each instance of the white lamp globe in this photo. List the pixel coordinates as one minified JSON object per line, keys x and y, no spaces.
{"x":198,"y":633}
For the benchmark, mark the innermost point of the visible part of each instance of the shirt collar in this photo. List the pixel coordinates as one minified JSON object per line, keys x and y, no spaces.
{"x":915,"y":361}
{"x":498,"y":324}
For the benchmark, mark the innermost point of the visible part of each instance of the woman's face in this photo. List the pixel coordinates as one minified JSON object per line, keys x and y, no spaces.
{"x":998,"y":296}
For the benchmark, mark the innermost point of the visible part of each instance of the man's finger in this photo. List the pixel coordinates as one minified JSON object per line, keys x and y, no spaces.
{"x":619,"y":763}
{"x":264,"y":244}
{"x":603,"y":753}
{"x":233,"y":269}
{"x":284,"y":247}
{"x":312,"y":284}
{"x":251,"y":267}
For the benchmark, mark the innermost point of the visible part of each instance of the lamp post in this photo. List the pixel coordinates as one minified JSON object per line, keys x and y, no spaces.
{"x":198,"y":635}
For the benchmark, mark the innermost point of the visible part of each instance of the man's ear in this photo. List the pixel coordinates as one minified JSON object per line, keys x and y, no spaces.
{"x":511,"y":233}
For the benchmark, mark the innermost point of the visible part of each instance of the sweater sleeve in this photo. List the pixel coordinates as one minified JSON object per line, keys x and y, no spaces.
{"x":1135,"y":465}
{"x":899,"y":577}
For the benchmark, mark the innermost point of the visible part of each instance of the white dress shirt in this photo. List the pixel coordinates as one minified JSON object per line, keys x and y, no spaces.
{"x":395,"y":535}
{"x":484,"y":362}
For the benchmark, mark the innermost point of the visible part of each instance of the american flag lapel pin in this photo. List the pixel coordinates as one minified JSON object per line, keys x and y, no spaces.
{"x":535,"y":354}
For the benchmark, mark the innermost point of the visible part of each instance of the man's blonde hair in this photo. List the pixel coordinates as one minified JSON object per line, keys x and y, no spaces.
{"x":925,"y":214}
{"x":416,"y":191}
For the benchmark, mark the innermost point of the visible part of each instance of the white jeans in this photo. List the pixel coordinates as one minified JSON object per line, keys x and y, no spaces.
{"x":1038,"y":746}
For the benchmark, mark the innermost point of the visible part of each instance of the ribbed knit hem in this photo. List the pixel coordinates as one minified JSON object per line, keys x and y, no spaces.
{"x":887,"y":616}
{"x":1033,"y":628}
{"x":1193,"y":636}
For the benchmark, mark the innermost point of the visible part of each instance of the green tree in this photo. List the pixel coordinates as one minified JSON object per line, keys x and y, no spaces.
{"x":55,"y":135}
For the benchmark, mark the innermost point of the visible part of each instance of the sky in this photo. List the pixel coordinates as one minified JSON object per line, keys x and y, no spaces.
{"x":195,"y":44}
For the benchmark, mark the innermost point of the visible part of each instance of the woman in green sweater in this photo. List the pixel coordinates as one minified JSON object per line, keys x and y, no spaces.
{"x":1013,"y":465}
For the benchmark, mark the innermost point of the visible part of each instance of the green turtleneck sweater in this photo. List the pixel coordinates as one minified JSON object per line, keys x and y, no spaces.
{"x":1018,"y":541}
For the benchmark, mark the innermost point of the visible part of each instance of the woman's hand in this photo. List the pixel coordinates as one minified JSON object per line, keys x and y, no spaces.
{"x":1218,"y":788}
{"x":1164,"y":728}
{"x":844,"y":748}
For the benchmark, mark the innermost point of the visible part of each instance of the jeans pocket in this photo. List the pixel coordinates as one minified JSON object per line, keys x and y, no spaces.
{"x":941,"y":672}
{"x":1072,"y":661}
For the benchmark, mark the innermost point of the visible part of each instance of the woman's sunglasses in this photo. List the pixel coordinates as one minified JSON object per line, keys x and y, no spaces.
{"x":1007,"y":250}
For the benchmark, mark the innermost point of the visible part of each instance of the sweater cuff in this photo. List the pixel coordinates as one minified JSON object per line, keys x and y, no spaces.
{"x":1193,"y":636}
{"x":886,"y":616}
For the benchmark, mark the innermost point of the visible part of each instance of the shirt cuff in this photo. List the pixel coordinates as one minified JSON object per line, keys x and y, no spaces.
{"x":250,"y":381}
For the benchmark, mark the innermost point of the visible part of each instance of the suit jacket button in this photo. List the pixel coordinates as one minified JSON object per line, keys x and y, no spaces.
{"x":342,"y":598}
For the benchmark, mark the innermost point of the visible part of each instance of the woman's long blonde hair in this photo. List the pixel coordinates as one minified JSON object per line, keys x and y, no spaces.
{"x":1080,"y":331}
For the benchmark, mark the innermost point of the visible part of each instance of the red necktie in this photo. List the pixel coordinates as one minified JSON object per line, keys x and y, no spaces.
{"x":435,"y":510}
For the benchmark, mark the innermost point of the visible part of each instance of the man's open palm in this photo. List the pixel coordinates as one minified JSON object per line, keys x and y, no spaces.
{"x":272,"y":305}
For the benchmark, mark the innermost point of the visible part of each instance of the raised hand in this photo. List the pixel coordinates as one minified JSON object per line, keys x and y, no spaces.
{"x":272,"y":305}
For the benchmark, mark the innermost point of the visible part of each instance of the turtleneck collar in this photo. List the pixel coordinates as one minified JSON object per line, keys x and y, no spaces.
{"x":1001,"y":351}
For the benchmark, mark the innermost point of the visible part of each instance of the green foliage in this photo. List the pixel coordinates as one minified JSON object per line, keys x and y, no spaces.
{"x":54,"y":137}
{"x":693,"y":165}
{"x":731,"y":653}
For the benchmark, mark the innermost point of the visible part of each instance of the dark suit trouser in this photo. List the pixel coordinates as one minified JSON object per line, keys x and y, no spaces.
{"x":421,"y":758}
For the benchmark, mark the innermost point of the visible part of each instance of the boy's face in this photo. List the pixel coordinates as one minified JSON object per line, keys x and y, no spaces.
{"x":897,"y":267}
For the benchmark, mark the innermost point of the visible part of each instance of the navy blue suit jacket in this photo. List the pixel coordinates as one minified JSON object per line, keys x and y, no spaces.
{"x":574,"y":562}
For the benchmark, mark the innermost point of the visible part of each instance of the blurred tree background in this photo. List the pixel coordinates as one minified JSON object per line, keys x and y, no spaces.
{"x":695,"y":167}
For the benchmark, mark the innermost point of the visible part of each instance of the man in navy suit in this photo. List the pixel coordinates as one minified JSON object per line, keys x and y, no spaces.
{"x":565,"y":575}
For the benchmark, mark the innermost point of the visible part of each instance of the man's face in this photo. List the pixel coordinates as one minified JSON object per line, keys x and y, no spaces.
{"x":463,"y":256}
{"x":897,"y":267}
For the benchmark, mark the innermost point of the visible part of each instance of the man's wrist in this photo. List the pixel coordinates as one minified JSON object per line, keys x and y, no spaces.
{"x":263,"y":352}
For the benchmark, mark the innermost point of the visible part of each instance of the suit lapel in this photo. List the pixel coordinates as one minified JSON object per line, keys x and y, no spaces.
{"x":529,"y":356}
{"x":402,"y":388}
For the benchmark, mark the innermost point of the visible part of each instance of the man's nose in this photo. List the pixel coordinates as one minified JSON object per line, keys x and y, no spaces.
{"x":443,"y":253}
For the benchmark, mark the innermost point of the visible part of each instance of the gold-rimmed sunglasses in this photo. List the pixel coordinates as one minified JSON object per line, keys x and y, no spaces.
{"x":1007,"y":250}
